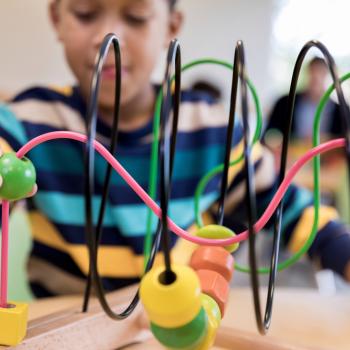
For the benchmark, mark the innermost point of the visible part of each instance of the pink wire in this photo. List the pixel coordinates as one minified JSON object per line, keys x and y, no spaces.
{"x":4,"y":253}
{"x":155,"y":208}
{"x":148,"y":201}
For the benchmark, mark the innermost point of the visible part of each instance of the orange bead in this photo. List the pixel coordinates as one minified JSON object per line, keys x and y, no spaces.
{"x":214,"y":285}
{"x":213,"y":258}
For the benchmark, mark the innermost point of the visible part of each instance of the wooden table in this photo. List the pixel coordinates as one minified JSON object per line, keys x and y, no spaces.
{"x":302,"y":319}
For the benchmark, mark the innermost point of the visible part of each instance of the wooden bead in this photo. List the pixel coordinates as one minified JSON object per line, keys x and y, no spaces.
{"x":217,"y":232}
{"x":213,"y":258}
{"x":175,"y":304}
{"x":214,"y":285}
{"x":13,"y":323}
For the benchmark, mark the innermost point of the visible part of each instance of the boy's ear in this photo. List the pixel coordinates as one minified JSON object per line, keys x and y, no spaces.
{"x":55,"y":16}
{"x":175,"y":25}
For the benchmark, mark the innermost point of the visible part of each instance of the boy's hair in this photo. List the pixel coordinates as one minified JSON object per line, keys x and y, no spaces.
{"x":172,"y":3}
{"x":317,"y":61}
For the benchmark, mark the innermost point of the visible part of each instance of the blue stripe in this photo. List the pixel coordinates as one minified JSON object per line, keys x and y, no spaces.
{"x":130,"y":219}
{"x":76,"y":235}
{"x":185,"y":140}
{"x":56,"y":158}
{"x":187,"y":164}
{"x":136,"y":243}
{"x":136,"y":161}
{"x":197,"y":96}
{"x":11,"y":125}
{"x":73,"y":184}
{"x":110,"y":237}
{"x":57,"y":258}
{"x":302,"y":199}
{"x":14,"y":144}
{"x":60,"y":158}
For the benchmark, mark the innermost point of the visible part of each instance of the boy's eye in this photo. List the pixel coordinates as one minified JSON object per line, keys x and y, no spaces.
{"x":136,"y":20}
{"x":86,"y":16}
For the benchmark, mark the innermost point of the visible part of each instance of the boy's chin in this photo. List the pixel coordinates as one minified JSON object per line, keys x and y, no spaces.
{"x":106,"y":104}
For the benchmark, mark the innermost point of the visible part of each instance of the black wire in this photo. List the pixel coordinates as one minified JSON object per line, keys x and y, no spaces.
{"x":239,"y":73}
{"x":263,"y":326}
{"x":250,"y":198}
{"x":229,"y":134}
{"x":91,"y":131}
{"x":167,"y":145}
{"x":92,"y":236}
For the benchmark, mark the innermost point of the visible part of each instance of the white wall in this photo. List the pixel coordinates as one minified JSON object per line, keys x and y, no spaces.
{"x":31,"y":55}
{"x":29,"y":52}
{"x":213,"y":28}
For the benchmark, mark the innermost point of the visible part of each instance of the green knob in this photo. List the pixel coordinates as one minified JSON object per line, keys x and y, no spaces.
{"x":218,"y":232}
{"x":18,"y":177}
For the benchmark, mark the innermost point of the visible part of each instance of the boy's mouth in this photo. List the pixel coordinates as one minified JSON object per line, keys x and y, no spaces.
{"x":109,"y":72}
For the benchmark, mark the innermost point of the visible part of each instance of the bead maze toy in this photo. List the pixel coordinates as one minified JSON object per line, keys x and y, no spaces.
{"x":185,"y":304}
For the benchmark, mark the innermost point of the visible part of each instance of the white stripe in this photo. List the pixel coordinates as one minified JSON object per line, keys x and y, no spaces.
{"x":196,"y":116}
{"x":54,"y":114}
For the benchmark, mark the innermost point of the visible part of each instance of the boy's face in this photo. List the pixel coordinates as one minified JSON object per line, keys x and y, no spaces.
{"x":144,"y":28}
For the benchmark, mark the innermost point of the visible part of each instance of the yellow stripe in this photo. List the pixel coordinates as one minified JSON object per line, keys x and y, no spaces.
{"x":63,"y":90}
{"x":5,"y":147}
{"x":113,"y":261}
{"x":303,"y":228}
{"x":256,"y":153}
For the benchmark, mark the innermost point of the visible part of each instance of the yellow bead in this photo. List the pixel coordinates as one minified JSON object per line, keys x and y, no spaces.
{"x":13,"y":324}
{"x":218,"y":232}
{"x":172,"y":305}
{"x":214,"y":318}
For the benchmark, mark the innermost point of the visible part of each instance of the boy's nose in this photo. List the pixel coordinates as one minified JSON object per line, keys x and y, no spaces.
{"x":110,"y":27}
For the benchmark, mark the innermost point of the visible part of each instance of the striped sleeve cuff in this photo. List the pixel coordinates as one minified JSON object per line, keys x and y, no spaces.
{"x":332,"y":247}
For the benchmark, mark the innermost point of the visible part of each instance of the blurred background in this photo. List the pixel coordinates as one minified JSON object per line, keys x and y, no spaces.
{"x":273,"y":32}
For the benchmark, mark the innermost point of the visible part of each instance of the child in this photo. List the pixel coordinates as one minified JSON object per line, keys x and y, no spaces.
{"x":59,"y":259}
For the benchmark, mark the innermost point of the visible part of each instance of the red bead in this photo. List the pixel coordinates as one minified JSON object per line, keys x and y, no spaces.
{"x":213,"y":258}
{"x":214,"y":285}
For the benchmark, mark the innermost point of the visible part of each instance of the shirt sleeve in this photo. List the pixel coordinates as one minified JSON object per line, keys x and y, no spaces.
{"x":331,"y":247}
{"x":12,"y":132}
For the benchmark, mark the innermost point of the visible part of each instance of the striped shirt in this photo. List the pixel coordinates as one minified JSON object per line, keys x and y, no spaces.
{"x":59,"y":259}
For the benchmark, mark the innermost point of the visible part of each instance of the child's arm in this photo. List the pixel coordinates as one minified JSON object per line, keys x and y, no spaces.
{"x":331,"y":247}
{"x":10,"y":131}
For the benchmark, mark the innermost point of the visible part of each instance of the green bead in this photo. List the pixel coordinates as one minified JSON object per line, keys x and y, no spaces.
{"x":184,"y":337}
{"x":218,"y":232}
{"x":18,"y":177}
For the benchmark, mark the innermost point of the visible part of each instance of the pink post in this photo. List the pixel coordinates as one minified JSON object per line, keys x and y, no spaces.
{"x":4,"y":252}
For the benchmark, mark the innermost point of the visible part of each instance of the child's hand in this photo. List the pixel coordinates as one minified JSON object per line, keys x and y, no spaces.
{"x":143,"y":320}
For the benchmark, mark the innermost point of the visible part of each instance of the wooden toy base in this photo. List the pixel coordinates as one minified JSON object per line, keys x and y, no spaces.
{"x":72,"y":330}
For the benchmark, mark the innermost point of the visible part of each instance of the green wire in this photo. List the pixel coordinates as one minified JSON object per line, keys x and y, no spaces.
{"x":154,"y":149}
{"x":152,"y":179}
{"x":317,"y":196}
